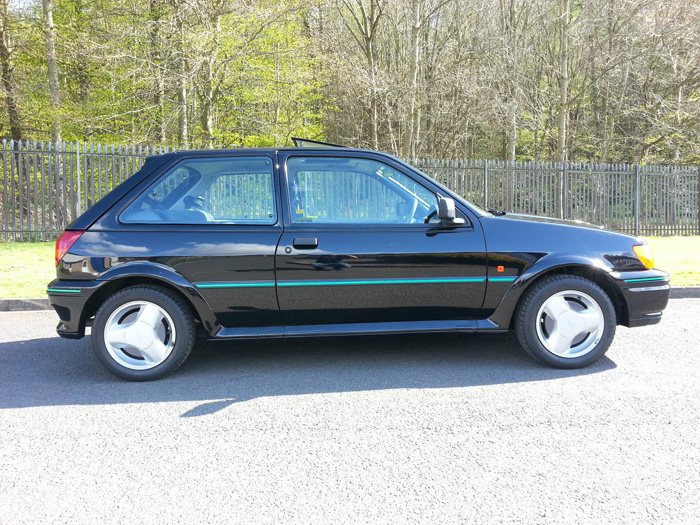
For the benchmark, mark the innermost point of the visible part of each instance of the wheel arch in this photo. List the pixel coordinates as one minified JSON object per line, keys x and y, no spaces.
{"x":504,"y":314}
{"x":151,"y":274}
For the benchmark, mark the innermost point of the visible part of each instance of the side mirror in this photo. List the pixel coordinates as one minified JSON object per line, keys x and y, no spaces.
{"x":447,"y":213}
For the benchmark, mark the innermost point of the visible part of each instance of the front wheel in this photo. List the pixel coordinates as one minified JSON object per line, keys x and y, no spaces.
{"x":143,"y":333}
{"x":565,"y":321}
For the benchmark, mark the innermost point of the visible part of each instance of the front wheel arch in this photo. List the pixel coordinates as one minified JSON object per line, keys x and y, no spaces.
{"x":594,"y":275}
{"x":503,"y":317}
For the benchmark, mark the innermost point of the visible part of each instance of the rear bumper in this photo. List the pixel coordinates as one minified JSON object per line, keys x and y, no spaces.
{"x":68,"y":299}
{"x":646,"y":295}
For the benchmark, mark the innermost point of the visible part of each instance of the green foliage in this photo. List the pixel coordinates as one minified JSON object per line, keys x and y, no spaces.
{"x":257,"y":73}
{"x":121,"y":64}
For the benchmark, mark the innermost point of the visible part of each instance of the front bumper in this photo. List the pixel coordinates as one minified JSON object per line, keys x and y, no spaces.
{"x":69,"y":300}
{"x":646,"y":295}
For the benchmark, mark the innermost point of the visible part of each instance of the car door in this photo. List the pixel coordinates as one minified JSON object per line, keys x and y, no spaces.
{"x":362,"y":244}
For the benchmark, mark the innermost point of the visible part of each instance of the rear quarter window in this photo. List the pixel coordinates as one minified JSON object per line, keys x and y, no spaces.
{"x":235,"y":190}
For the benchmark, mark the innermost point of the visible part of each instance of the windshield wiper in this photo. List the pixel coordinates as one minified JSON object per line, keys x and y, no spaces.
{"x":497,"y":213}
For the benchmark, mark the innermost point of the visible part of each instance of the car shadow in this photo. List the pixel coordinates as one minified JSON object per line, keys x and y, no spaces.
{"x":58,"y":372}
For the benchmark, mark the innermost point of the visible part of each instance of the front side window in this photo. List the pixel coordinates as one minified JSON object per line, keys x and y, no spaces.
{"x":350,"y":190}
{"x":219,"y":190}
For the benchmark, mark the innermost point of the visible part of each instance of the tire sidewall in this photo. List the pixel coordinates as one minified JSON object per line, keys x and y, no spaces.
{"x":527,"y":319}
{"x":178,"y":312}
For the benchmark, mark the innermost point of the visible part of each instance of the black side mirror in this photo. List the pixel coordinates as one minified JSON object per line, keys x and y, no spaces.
{"x":447,"y":213}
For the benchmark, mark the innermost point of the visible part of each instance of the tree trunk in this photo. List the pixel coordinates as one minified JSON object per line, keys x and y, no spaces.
{"x":7,"y":71}
{"x":374,"y":102}
{"x":413,"y":131}
{"x":182,"y":136}
{"x":366,"y":38}
{"x":157,"y":64}
{"x":206,"y":116}
{"x":563,"y":75}
{"x":370,"y":48}
{"x":182,"y":124}
{"x":54,"y":91}
{"x":209,"y":91}
{"x":512,"y":139}
{"x":510,"y":29}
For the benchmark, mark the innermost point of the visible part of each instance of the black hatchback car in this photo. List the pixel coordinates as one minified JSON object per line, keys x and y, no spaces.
{"x":263,"y":243}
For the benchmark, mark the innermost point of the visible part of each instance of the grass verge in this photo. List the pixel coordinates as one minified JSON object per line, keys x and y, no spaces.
{"x":679,"y":256}
{"x":27,"y":267}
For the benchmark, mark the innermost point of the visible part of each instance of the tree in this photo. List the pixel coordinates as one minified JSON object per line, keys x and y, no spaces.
{"x":7,"y":71}
{"x":600,"y":80}
{"x":54,"y":92}
{"x":362,"y":22}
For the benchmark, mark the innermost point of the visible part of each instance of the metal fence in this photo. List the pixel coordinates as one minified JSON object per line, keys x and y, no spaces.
{"x":46,"y":186}
{"x":641,"y":200}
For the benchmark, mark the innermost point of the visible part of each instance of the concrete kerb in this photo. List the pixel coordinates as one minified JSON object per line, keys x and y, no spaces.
{"x":25,"y":305}
{"x":685,"y":292}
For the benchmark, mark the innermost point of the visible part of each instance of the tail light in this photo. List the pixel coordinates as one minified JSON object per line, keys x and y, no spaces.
{"x":65,"y":241}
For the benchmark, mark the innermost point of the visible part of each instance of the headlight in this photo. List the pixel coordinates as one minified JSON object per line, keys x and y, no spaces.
{"x":644,"y":253}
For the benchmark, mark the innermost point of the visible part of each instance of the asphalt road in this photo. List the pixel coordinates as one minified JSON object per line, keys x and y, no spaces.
{"x":420,"y":429}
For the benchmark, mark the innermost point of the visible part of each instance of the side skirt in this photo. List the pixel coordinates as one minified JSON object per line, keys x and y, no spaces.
{"x":357,"y":329}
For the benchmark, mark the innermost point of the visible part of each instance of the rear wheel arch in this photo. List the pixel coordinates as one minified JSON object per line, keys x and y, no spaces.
{"x":143,"y":332}
{"x":114,"y":285}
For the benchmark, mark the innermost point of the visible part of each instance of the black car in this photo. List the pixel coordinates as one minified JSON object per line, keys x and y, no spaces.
{"x":318,"y":241}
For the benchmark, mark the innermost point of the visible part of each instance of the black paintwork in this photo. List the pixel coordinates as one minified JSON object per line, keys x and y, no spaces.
{"x":303,"y":279}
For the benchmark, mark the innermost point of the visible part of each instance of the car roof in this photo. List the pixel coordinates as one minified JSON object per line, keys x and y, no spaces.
{"x":267,"y":151}
{"x":204,"y":152}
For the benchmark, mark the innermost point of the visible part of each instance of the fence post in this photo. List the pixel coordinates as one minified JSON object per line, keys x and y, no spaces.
{"x":486,"y":184}
{"x":560,"y":190}
{"x":13,"y":194}
{"x":5,"y":193}
{"x":637,"y":199}
{"x":77,"y":149}
{"x":21,"y":197}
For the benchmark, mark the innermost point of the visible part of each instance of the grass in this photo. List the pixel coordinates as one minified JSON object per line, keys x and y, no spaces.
{"x":27,"y":267}
{"x":679,"y":256}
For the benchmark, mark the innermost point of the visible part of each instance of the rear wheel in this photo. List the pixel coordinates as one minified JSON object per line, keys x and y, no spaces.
{"x":565,"y":321}
{"x":143,"y":333}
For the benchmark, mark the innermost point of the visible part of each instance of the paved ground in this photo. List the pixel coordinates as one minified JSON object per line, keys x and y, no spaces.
{"x":364,"y":430}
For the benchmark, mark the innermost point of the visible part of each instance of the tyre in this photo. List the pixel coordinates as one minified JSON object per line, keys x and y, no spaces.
{"x":565,"y":321}
{"x":143,"y":333}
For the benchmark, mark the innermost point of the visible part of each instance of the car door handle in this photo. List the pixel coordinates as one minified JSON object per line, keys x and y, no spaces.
{"x":305,"y":243}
